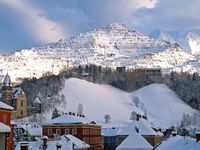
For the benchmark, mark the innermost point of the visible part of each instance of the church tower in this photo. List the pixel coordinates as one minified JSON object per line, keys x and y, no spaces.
{"x":7,"y":90}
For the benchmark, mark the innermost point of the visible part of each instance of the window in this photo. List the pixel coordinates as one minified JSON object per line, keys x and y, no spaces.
{"x":74,"y":131}
{"x":85,"y":131}
{"x":21,"y":112}
{"x":4,"y":119}
{"x":58,"y":132}
{"x":49,"y":131}
{"x":67,"y":131}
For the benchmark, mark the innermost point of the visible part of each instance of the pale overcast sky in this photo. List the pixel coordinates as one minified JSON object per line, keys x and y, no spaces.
{"x":30,"y":23}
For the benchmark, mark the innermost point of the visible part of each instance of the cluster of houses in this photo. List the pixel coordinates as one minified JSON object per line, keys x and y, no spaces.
{"x":68,"y":131}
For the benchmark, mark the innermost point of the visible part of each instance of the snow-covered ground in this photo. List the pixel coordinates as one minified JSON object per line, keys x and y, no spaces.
{"x":163,"y":107}
{"x":179,"y":143}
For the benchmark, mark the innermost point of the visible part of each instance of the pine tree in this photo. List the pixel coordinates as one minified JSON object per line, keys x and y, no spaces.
{"x":107,"y":118}
{"x":55,"y":114}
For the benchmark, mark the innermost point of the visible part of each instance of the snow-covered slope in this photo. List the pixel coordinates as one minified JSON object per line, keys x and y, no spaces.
{"x":113,"y":45}
{"x":189,"y":40}
{"x":162,"y":105}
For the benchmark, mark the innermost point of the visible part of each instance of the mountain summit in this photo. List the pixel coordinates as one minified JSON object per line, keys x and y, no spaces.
{"x":114,"y":45}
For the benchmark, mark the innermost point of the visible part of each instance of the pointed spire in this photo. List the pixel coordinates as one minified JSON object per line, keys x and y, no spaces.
{"x":37,"y":100}
{"x":6,"y":80}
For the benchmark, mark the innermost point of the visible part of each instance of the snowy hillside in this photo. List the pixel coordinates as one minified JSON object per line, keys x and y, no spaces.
{"x":113,"y":45}
{"x":162,"y":105}
{"x":189,"y":40}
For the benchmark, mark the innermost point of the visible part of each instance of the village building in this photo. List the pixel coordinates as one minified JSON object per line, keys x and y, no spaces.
{"x":6,"y":130}
{"x":76,"y":125}
{"x":134,"y":141}
{"x":28,"y":131}
{"x":110,"y":138}
{"x":144,"y":128}
{"x":35,"y":107}
{"x":19,"y":103}
{"x":66,"y":142}
{"x":113,"y":137}
{"x":14,"y":97}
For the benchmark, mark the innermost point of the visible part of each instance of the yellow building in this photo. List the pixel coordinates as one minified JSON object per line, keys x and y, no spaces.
{"x":19,"y":103}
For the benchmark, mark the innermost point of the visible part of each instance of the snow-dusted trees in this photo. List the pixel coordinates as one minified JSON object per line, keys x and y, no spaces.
{"x":80,"y":109}
{"x":188,"y":120}
{"x":186,"y":85}
{"x":107,"y":118}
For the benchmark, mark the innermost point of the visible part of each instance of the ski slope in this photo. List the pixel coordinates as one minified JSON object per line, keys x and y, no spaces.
{"x":163,"y":107}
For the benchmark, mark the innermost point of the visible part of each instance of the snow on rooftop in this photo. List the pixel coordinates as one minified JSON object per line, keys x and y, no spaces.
{"x":35,"y":131}
{"x":179,"y":143}
{"x":134,"y":142}
{"x":67,"y":142}
{"x":67,"y":119}
{"x":5,"y":106}
{"x":77,"y":142}
{"x":4,"y":128}
{"x":16,"y":91}
{"x":109,"y":131}
{"x":143,"y":126}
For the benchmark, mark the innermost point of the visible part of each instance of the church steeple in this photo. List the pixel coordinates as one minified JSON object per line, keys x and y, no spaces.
{"x":7,"y":90}
{"x":6,"y":80}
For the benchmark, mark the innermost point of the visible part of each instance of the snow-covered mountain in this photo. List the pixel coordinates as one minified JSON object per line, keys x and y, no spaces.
{"x":189,"y":40}
{"x":98,"y":100}
{"x":113,"y":45}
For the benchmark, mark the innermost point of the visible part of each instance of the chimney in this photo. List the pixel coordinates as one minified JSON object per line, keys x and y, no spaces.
{"x":137,"y":129}
{"x":45,"y":142}
{"x":198,"y":135}
{"x":23,"y":146}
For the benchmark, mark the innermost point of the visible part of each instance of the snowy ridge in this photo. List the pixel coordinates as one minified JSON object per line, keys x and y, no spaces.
{"x":114,"y":45}
{"x":189,"y":40}
{"x":98,"y":100}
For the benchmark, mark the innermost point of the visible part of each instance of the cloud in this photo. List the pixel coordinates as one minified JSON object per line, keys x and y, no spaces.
{"x":109,"y":11}
{"x":40,"y":22}
{"x":35,"y":21}
{"x":170,"y":15}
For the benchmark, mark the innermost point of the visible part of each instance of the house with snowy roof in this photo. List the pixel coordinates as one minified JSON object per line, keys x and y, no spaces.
{"x":113,"y":137}
{"x":66,"y":142}
{"x":28,"y":130}
{"x":144,"y":128}
{"x":6,"y":130}
{"x":14,"y":97}
{"x":36,"y":106}
{"x":134,"y":141}
{"x":76,"y":125}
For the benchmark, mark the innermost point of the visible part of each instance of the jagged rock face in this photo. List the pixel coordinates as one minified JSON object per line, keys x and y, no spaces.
{"x":189,"y":40}
{"x":112,"y":46}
